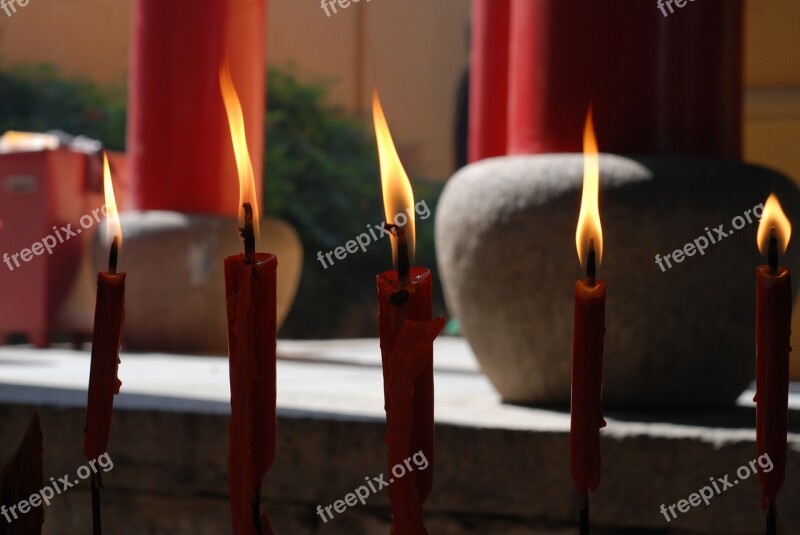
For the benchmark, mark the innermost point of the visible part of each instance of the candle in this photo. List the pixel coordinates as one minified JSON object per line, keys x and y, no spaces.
{"x":109,"y":314}
{"x":20,"y":478}
{"x":773,"y":324}
{"x":589,"y":330}
{"x":407,"y":331}
{"x":250,"y":290}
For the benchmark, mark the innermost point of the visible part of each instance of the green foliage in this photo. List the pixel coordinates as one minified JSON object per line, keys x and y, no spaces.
{"x":37,"y":99}
{"x":321,"y":176}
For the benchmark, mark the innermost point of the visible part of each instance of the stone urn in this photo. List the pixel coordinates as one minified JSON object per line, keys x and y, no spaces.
{"x":175,"y":289}
{"x":680,"y":322}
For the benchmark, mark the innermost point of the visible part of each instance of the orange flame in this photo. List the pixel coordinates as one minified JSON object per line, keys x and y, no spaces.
{"x":398,"y":197}
{"x":247,"y":182}
{"x":589,"y":227}
{"x":113,"y":226}
{"x":773,"y":217}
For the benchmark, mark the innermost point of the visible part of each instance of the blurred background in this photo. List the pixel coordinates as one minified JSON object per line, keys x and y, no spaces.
{"x":64,"y":65}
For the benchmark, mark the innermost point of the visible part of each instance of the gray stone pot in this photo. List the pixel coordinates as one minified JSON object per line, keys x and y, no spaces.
{"x":681,"y":337}
{"x":175,"y":289}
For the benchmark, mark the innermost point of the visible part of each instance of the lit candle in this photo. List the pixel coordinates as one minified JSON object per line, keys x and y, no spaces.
{"x":109,"y":314}
{"x":407,"y":332}
{"x":773,"y":325}
{"x":589,"y":331}
{"x":250,"y":289}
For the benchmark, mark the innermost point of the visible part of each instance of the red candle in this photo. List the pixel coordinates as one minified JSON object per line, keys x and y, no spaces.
{"x":589,"y":330}
{"x":407,"y":331}
{"x":22,"y":477}
{"x":773,"y":328}
{"x":109,"y":315}
{"x":587,"y":379}
{"x":104,"y":384}
{"x":250,"y":290}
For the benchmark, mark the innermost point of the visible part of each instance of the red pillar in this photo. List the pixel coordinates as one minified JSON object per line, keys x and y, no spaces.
{"x":179,"y":146}
{"x":660,"y":85}
{"x":488,"y":80}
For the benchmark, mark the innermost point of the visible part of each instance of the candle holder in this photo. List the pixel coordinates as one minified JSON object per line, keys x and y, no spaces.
{"x":683,"y":336}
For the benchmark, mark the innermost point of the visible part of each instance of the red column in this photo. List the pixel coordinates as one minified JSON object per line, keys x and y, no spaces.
{"x":488,"y":80}
{"x":660,"y":84}
{"x":179,"y":145}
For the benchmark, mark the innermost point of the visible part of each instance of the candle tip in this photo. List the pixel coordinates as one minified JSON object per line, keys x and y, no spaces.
{"x":113,"y":255}
{"x":772,"y":252}
{"x":403,"y":263}
{"x":591,"y":263}
{"x":248,"y":234}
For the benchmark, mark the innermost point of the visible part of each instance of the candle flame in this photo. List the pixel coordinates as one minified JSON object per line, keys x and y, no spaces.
{"x":398,"y":197}
{"x":233,"y":109}
{"x":113,"y":226}
{"x":773,"y":217}
{"x":589,"y":227}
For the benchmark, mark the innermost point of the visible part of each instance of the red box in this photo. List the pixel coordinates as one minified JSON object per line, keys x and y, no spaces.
{"x":43,"y":197}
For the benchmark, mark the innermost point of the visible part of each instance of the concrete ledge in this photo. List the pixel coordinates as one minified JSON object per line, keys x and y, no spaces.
{"x":499,"y":469}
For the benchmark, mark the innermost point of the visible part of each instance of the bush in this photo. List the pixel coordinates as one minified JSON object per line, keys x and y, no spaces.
{"x":37,"y":99}
{"x":321,"y":176}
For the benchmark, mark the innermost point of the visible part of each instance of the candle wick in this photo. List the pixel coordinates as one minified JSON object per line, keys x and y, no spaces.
{"x":772,"y":252}
{"x":591,"y":264}
{"x":403,"y":263}
{"x":248,"y":234}
{"x":113,"y":254}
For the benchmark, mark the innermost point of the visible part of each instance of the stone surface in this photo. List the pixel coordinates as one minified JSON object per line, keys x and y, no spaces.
{"x":500,"y":469}
{"x":175,"y":291}
{"x":682,"y":337}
